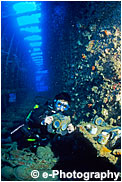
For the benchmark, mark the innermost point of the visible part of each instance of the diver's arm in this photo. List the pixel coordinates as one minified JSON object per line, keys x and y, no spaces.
{"x":38,"y":115}
{"x":48,"y":120}
{"x":42,"y":115}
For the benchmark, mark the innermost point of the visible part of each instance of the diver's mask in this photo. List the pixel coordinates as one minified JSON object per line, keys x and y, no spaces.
{"x":61,"y":105}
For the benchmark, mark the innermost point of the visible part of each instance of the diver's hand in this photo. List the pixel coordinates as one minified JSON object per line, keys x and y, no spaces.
{"x":48,"y":119}
{"x":71,"y":128}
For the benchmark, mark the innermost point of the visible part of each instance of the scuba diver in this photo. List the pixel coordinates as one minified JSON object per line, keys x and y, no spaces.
{"x":45,"y":123}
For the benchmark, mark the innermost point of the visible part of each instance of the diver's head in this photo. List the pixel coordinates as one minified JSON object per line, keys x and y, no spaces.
{"x":61,"y":105}
{"x":62,"y":102}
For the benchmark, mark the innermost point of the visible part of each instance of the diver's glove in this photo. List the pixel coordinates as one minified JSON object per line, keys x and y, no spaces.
{"x":71,"y":128}
{"x":47,"y":120}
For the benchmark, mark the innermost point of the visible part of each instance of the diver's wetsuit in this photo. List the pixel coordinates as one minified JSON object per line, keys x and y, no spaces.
{"x":34,"y":131}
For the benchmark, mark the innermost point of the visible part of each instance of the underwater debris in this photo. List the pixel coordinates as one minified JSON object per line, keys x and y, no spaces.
{"x":100,"y":139}
{"x":91,"y":128}
{"x":24,"y":161}
{"x":44,"y":153}
{"x":115,"y":135}
{"x":22,"y":173}
{"x":117,"y":152}
{"x":103,"y":138}
{"x":7,"y":172}
{"x":99,"y":121}
{"x":104,"y":150}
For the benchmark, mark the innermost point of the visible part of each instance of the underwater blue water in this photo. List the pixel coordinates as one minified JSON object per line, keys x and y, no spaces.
{"x":24,"y":7}
{"x":31,"y":29}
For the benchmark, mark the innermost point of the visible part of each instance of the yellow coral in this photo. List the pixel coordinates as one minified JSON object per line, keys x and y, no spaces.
{"x":104,"y":150}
